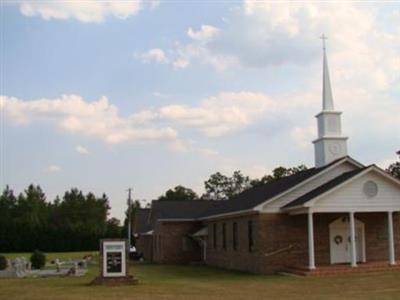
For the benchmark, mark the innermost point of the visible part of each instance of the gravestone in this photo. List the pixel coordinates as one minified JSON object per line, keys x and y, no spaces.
{"x":15,"y":269}
{"x":114,"y":263}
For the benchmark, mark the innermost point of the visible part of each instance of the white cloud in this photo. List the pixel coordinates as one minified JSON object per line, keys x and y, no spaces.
{"x":98,"y":119}
{"x":82,"y":150}
{"x":205,"y":33}
{"x":303,"y":136}
{"x":214,"y":116}
{"x":220,"y":114}
{"x":270,"y":34}
{"x":227,"y":111}
{"x":188,"y":146}
{"x":89,"y":11}
{"x":183,"y":54}
{"x":53,"y":169}
{"x":156,"y":55}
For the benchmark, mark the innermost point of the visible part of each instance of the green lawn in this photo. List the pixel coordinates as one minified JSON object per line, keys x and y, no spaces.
{"x":197,"y":282}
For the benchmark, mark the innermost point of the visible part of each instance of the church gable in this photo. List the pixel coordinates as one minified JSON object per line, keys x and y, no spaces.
{"x":366,"y":190}
{"x":342,"y":166}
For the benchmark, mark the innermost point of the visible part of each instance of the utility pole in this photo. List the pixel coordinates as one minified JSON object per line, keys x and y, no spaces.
{"x":129,"y":217}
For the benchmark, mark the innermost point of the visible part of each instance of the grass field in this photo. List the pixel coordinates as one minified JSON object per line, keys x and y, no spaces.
{"x":198,"y":282}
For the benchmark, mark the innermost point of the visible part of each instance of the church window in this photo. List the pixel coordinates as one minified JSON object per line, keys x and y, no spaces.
{"x":224,"y":236}
{"x":235,"y":235}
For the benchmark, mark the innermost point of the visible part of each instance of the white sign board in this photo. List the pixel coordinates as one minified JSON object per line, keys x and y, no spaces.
{"x":114,"y":258}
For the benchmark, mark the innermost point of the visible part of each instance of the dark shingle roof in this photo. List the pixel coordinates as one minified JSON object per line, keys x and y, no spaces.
{"x":324,"y":188}
{"x":259,"y":194}
{"x":246,"y":200}
{"x":190,"y":209}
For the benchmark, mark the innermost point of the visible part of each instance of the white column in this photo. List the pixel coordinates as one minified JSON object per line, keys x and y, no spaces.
{"x":392,"y":259}
{"x":353,"y":240}
{"x":311,"y":255}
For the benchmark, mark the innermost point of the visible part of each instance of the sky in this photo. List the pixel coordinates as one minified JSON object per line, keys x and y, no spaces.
{"x":107,"y":95}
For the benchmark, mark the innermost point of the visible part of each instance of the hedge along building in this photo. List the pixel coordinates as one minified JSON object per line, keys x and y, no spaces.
{"x":339,"y":212}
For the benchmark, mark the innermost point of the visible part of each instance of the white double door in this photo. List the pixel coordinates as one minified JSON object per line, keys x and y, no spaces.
{"x":340,"y":242}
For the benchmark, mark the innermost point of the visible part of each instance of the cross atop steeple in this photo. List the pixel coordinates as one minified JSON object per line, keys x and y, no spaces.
{"x":323,"y":37}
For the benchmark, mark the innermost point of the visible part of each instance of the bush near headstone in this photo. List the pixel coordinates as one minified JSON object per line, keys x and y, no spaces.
{"x":38,"y":259}
{"x":3,"y":262}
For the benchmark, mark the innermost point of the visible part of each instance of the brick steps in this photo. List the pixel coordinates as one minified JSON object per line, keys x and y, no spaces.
{"x":342,"y":269}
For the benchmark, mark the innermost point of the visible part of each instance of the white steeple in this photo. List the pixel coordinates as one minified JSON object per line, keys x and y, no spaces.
{"x":330,"y":144}
{"x":327,"y":99}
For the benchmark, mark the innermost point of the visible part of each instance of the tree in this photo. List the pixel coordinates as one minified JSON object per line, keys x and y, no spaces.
{"x":113,"y":228}
{"x":394,"y":168}
{"x":278,"y":173}
{"x":8,"y":203}
{"x":82,"y":219}
{"x":71,"y":223}
{"x":38,"y":260}
{"x":221,"y":187}
{"x":179,"y":193}
{"x":31,"y":218}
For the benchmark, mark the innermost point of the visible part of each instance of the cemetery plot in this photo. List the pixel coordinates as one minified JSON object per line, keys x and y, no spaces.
{"x":20,"y":267}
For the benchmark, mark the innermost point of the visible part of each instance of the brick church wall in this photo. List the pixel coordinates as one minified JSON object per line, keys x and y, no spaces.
{"x":237,"y":259}
{"x":376,"y":236}
{"x":172,"y":242}
{"x":281,"y":240}
{"x":144,"y":245}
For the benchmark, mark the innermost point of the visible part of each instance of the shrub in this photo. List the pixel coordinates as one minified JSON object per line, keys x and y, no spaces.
{"x":38,"y":259}
{"x":3,"y":262}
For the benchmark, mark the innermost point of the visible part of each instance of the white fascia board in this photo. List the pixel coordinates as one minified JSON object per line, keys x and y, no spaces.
{"x":345,"y":159}
{"x":299,"y":211}
{"x":176,"y":220}
{"x":344,"y":209}
{"x":240,"y":212}
{"x":385,"y":174}
{"x":357,"y":209}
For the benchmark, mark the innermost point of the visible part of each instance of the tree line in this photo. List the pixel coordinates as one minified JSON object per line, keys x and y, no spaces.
{"x":74,"y":222}
{"x":222,"y":187}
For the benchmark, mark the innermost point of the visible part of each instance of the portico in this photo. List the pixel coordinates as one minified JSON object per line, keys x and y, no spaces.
{"x":352,"y":238}
{"x":352,"y":197}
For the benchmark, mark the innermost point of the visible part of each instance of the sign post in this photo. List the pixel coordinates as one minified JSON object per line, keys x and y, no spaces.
{"x":114,"y":263}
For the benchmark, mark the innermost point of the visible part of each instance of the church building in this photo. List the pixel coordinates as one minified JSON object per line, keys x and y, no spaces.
{"x":339,"y":215}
